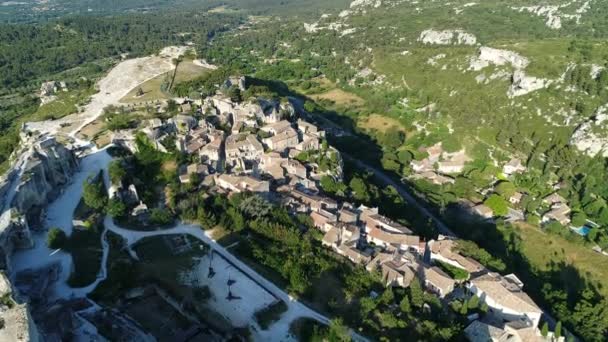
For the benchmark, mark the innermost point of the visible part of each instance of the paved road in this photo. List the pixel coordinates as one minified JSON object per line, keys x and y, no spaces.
{"x":382,"y":176}
{"x":296,"y":308}
{"x":404,"y":192}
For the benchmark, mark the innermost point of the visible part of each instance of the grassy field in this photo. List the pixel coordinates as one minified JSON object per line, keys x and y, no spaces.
{"x":379,"y":123}
{"x":66,"y":103}
{"x":158,"y":317}
{"x":556,"y":249}
{"x":152,"y":91}
{"x":96,"y":132}
{"x":186,"y":71}
{"x":339,"y":97}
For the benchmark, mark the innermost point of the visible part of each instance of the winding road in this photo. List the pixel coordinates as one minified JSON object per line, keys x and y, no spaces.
{"x":332,"y":128}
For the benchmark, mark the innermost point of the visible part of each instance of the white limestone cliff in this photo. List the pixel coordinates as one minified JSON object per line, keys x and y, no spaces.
{"x":447,"y":37}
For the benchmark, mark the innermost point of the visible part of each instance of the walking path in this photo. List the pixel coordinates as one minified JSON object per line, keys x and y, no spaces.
{"x":60,"y":214}
{"x":279,"y":329}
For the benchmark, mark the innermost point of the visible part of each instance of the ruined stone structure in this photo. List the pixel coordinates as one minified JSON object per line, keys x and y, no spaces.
{"x":50,"y":166}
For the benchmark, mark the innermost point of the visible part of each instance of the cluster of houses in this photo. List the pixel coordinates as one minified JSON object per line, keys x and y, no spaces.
{"x":237,"y":146}
{"x":367,"y":238}
{"x":439,"y":164}
{"x":257,"y":151}
{"x":558,"y":211}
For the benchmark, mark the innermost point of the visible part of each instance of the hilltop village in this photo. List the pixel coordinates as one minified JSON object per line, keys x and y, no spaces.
{"x":259,"y":147}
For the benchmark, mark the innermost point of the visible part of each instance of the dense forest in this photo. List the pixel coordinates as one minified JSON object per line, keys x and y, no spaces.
{"x":29,"y":53}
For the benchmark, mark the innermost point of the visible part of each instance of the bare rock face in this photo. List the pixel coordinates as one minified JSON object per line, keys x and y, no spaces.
{"x":447,"y":37}
{"x":18,"y":323}
{"x":50,"y":167}
{"x":491,"y":56}
{"x":588,"y":138}
{"x":523,"y":84}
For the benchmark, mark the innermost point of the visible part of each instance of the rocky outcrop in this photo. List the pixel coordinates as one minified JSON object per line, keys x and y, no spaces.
{"x":49,"y":89}
{"x":447,"y":37}
{"x":490,"y":56}
{"x":523,"y":84}
{"x":14,"y":234}
{"x":588,"y":138}
{"x":366,"y":3}
{"x":551,"y":13}
{"x":50,"y":166}
{"x":18,"y":324}
{"x":554,"y":14}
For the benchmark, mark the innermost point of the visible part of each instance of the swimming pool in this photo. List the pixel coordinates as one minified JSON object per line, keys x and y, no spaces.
{"x":583,"y":231}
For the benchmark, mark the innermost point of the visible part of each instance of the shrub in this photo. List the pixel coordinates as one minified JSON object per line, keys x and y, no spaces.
{"x":160,"y":216}
{"x":497,"y":204}
{"x":270,"y":314}
{"x":56,"y":238}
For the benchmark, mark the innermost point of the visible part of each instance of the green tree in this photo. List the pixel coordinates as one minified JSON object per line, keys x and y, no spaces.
{"x":451,"y":144}
{"x":392,"y":138}
{"x":473,"y":302}
{"x":497,"y":204}
{"x":366,"y":305}
{"x":56,"y":238}
{"x":160,"y":216}
{"x":387,"y":296}
{"x":360,"y":189}
{"x":579,"y":219}
{"x":310,"y":106}
{"x":116,"y":208}
{"x":330,"y":186}
{"x":234,"y":93}
{"x":464,"y":309}
{"x":236,"y":218}
{"x":558,"y":329}
{"x":416,"y":293}
{"x":116,"y":171}
{"x":405,"y":305}
{"x":338,"y":332}
{"x":94,"y":193}
{"x":505,"y":189}
{"x":545,"y":330}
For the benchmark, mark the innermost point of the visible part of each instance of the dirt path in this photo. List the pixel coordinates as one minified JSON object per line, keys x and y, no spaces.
{"x":119,"y":82}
